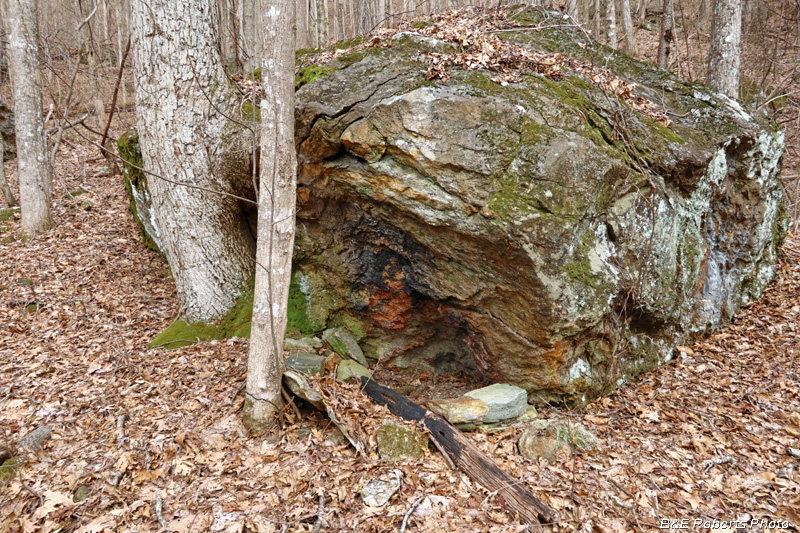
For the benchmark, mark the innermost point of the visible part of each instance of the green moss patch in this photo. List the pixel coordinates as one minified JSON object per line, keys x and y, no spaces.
{"x":234,"y":324}
{"x":6,"y":213}
{"x":309,"y":74}
{"x":10,"y":467}
{"x":131,"y":154}
{"x":299,"y":321}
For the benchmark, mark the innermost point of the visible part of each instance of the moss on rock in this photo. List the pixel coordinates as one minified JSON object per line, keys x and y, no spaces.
{"x":134,"y":178}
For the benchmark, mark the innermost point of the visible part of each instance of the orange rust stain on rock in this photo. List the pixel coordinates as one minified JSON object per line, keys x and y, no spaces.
{"x":390,"y":308}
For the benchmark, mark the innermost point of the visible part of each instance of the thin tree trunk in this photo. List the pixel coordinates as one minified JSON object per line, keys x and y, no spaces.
{"x":90,"y":48}
{"x":34,"y":173}
{"x":610,"y":16}
{"x":597,"y":25}
{"x":725,"y":52}
{"x":9,"y":196}
{"x":667,"y":36}
{"x":182,"y":96}
{"x":627,"y":26}
{"x":276,"y":223}
{"x":573,"y":11}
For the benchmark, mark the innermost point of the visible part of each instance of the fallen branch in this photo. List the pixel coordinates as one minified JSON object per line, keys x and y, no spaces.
{"x":121,"y":427}
{"x":409,"y":513}
{"x":467,"y":456}
{"x":159,"y":510}
{"x":711,"y":463}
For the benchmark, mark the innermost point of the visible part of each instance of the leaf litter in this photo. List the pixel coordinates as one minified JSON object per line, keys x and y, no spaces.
{"x":713,"y":434}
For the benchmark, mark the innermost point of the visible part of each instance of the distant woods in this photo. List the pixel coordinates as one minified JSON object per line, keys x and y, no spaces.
{"x":697,"y":39}
{"x":686,"y":31}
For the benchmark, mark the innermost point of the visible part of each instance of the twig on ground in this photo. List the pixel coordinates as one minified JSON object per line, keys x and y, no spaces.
{"x":444,"y":454}
{"x":711,"y":463}
{"x":121,"y":427}
{"x":29,"y":489}
{"x":409,"y":513}
{"x":321,"y":514}
{"x":289,"y":400}
{"x":159,"y":510}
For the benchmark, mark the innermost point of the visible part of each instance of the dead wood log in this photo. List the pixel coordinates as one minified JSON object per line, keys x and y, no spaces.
{"x":477,"y":465}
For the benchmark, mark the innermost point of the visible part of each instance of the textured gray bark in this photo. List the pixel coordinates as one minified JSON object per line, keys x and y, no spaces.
{"x":34,"y":173}
{"x":627,"y":26}
{"x":275,"y":217}
{"x":182,"y":95}
{"x":667,"y":34}
{"x":251,"y":33}
{"x":610,"y":23}
{"x":573,"y":11}
{"x":725,"y":52}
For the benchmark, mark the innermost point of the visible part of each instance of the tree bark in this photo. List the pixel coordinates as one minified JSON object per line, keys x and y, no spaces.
{"x":276,"y":223}
{"x":610,"y":19}
{"x":627,"y":26}
{"x":252,"y":37}
{"x":667,"y":35}
{"x":573,"y":11}
{"x":725,"y":52}
{"x":182,"y":99}
{"x":34,"y":173}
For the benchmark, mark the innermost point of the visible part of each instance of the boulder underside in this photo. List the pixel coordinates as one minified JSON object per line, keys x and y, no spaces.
{"x":543,"y":233}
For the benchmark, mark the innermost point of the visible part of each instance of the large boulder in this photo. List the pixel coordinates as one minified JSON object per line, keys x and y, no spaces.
{"x":561,"y":234}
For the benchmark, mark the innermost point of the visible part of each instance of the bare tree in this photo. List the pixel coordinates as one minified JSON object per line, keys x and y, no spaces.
{"x":276,"y":223}
{"x":627,"y":26}
{"x":610,"y":23}
{"x":573,"y":11}
{"x":183,"y":99}
{"x":667,"y":35}
{"x":725,"y":52}
{"x":34,"y":173}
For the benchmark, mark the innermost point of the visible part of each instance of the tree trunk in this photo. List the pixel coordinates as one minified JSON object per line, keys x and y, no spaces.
{"x":667,"y":35}
{"x":627,"y":25}
{"x":182,"y":95}
{"x":597,"y":20}
{"x":34,"y":173}
{"x":725,"y":51}
{"x":573,"y":11}
{"x":251,"y":34}
{"x":229,"y":34}
{"x":275,"y":217}
{"x":610,"y":19}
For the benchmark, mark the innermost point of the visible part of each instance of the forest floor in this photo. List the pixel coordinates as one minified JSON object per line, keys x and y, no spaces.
{"x":79,"y":305}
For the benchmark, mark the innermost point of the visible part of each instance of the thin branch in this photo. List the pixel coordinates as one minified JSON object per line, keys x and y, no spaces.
{"x":116,"y":92}
{"x":149,"y":173}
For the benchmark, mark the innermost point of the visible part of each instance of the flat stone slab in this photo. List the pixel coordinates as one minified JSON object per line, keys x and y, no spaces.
{"x":343,"y":343}
{"x":349,"y":369}
{"x":460,"y":410}
{"x":307,"y":363}
{"x":306,"y":344}
{"x":378,"y":492}
{"x":504,"y":401}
